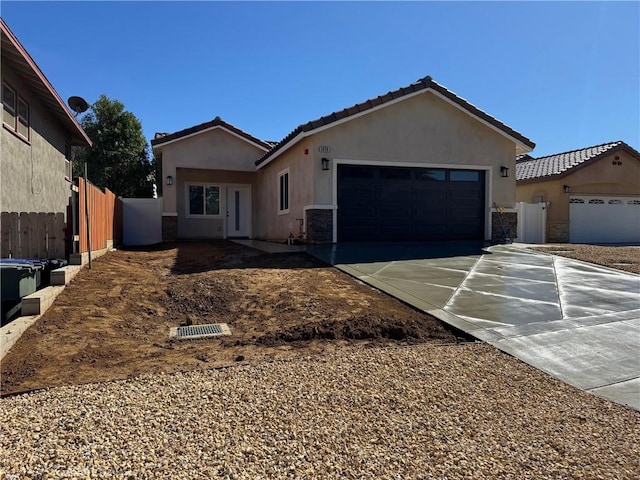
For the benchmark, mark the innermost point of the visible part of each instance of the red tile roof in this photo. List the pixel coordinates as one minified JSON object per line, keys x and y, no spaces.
{"x":161,"y":138}
{"x":559,"y":164}
{"x":422,"y":84}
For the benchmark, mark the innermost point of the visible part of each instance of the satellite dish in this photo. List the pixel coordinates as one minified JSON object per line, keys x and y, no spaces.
{"x":78,"y":104}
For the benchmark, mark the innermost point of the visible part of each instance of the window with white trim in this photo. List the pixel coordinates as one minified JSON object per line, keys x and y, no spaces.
{"x":15,"y":112}
{"x":283,"y":191}
{"x":9,"y":106}
{"x":203,"y":200}
{"x":68,"y":166}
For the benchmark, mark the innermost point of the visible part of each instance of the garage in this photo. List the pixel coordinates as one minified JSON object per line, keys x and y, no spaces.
{"x":409,"y":204}
{"x":600,"y":219}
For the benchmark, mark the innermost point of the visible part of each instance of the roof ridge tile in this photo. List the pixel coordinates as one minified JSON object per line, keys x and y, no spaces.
{"x":421,"y":84}
{"x":217,"y":121}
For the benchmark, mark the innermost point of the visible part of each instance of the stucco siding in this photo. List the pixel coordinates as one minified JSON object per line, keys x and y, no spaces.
{"x":603,"y":177}
{"x":420,"y":130}
{"x":271,"y":224}
{"x":33,"y":173}
{"x":206,"y":227}
{"x":216,"y":149}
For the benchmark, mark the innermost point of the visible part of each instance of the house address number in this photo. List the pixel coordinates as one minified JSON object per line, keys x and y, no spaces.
{"x":323,"y":149}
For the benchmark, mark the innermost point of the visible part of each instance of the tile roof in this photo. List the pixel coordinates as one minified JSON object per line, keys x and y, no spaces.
{"x":560,"y":163}
{"x":422,"y":84}
{"x":161,"y":138}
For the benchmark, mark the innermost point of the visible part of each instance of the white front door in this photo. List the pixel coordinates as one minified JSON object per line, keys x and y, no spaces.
{"x":239,"y":211}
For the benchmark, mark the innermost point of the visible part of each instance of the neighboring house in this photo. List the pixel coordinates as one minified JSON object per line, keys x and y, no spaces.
{"x":593,"y":194}
{"x":418,"y":163}
{"x":37,"y":135}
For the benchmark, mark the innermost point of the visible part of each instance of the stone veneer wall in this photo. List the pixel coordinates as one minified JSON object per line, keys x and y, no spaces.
{"x":510,"y":223}
{"x":319,"y":223}
{"x":558,"y":232}
{"x":169,"y":228}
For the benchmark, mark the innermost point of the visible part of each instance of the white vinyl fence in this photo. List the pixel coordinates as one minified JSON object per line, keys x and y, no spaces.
{"x":141,"y":221}
{"x":532,"y":222}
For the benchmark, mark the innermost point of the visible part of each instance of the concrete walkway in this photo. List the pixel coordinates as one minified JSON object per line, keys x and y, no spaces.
{"x":575,"y":321}
{"x":270,"y":247}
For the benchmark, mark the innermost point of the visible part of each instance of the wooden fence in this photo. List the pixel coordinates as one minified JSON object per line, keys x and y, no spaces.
{"x":45,"y":235}
{"x":32,"y":235}
{"x":105,"y":217}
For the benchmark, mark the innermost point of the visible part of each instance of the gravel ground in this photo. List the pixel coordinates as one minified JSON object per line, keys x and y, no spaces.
{"x":466,"y":411}
{"x":621,"y":257}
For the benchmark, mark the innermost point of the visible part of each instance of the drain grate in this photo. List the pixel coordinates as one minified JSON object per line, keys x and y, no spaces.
{"x":200,"y":331}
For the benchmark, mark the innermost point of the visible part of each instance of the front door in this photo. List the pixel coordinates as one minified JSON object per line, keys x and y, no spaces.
{"x":239,"y":211}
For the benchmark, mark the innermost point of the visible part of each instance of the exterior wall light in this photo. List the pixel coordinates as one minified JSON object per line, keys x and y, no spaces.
{"x":169,"y":180}
{"x":565,"y":188}
{"x":504,"y":171}
{"x":325,"y":163}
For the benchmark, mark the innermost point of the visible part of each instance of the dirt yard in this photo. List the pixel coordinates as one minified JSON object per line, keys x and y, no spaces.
{"x":621,"y":258}
{"x":113,"y":321}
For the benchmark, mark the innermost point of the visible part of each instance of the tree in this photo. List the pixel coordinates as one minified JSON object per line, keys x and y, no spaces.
{"x":119,"y":158}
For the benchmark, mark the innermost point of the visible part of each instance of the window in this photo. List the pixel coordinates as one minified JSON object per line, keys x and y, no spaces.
{"x":429,"y":175}
{"x":283,"y":191}
{"x":15,"y":112}
{"x":464,"y":176}
{"x":9,"y":103}
{"x":395,"y":173}
{"x":204,"y":200}
{"x":23,"y":118}
{"x":68,"y":170}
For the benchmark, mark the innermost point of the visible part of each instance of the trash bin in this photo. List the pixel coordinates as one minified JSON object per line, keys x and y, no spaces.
{"x":18,"y":279}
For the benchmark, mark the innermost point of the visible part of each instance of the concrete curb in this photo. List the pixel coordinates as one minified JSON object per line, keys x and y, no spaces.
{"x":35,"y":305}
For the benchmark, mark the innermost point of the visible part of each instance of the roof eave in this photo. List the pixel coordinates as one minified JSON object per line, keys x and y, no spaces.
{"x":523,"y":144}
{"x":158,"y":143}
{"x":78,"y":136}
{"x":545,"y":178}
{"x":264,"y":161}
{"x":586,"y":163}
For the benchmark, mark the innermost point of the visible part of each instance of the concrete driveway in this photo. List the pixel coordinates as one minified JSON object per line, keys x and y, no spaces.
{"x":575,"y":321}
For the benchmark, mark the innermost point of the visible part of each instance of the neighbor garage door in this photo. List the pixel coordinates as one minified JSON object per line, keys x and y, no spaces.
{"x":409,"y":204}
{"x":599,"y":219}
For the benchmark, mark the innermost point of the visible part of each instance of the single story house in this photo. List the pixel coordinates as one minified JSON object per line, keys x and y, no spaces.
{"x":37,"y":135}
{"x":416,"y":164}
{"x":592,"y":194}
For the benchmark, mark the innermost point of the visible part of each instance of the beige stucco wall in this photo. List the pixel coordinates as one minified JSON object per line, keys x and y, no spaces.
{"x":206,"y":227}
{"x":270,"y":225}
{"x":32,"y":174}
{"x":422,"y":130}
{"x":215,"y":149}
{"x":600,"y":178}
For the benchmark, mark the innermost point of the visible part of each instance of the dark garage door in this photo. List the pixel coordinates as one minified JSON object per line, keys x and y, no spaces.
{"x":409,"y":204}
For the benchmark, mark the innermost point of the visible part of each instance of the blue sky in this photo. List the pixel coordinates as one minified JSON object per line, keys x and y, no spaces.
{"x":566,"y":75}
